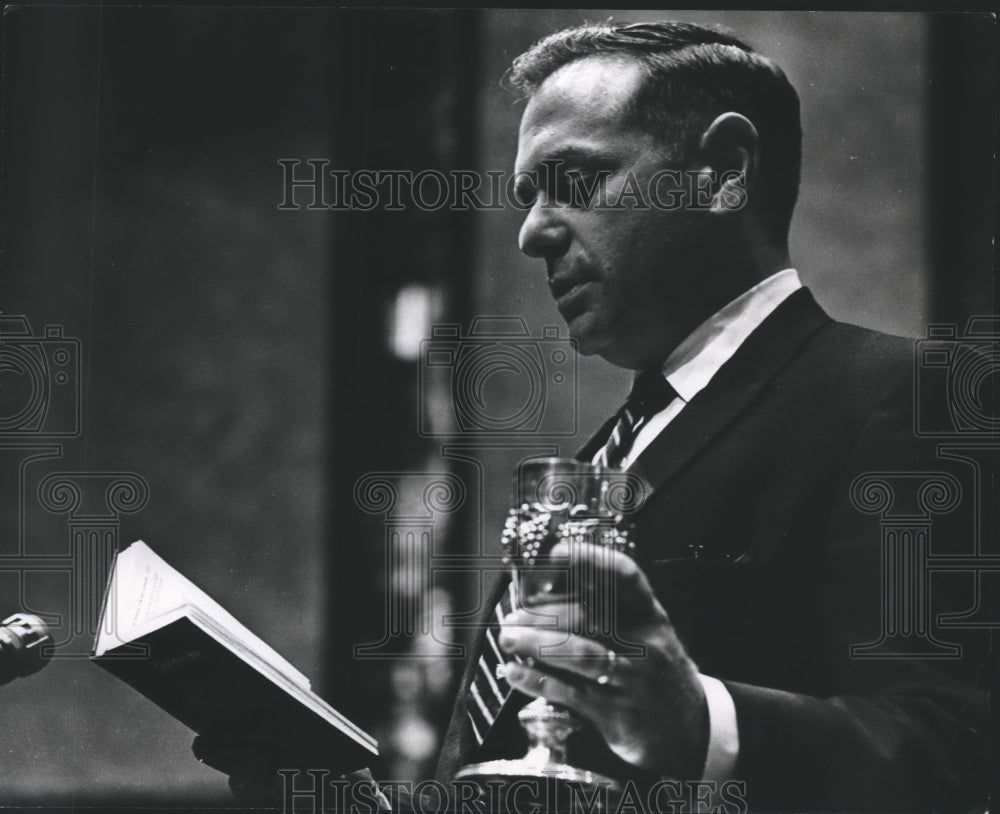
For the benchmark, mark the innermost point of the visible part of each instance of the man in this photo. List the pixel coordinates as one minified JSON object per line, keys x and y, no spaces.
{"x":754,"y":574}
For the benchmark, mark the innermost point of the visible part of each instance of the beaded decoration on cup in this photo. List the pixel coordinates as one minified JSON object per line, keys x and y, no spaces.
{"x":530,"y":525}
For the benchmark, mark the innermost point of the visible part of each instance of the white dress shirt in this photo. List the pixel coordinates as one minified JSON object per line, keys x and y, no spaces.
{"x":689,"y":369}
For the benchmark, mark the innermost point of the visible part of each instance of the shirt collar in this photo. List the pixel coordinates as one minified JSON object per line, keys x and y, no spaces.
{"x":699,"y":357}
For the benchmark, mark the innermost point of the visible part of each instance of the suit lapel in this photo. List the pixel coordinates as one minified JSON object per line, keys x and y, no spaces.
{"x":765,"y":352}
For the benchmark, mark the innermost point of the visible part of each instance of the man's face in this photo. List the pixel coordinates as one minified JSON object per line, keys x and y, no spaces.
{"x":629,"y":281}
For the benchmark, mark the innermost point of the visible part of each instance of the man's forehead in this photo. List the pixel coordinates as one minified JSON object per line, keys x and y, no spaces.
{"x":592,"y":87}
{"x":588,"y":94}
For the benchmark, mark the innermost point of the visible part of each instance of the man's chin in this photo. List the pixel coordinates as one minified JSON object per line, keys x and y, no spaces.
{"x":589,"y":345}
{"x":592,"y":339}
{"x":616,"y":353}
{"x":585,"y":332}
{"x":584,"y":341}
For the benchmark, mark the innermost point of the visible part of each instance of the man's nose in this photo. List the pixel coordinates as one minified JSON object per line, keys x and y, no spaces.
{"x":544,"y":232}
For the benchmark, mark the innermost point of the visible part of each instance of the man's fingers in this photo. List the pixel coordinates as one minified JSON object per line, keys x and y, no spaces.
{"x":602,"y":559}
{"x":607,"y":581}
{"x":573,"y":565}
{"x":565,"y":616}
{"x":555,"y":652}
{"x":587,"y":698}
{"x":541,"y":644}
{"x":620,"y":631}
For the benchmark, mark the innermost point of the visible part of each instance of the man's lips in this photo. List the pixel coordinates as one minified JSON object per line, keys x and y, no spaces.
{"x":562,"y":286}
{"x":570,"y":294}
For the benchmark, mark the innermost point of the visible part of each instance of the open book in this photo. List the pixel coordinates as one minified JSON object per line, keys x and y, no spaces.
{"x":177,"y":646}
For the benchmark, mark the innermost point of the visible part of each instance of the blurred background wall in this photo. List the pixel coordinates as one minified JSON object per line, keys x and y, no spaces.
{"x":261,"y":369}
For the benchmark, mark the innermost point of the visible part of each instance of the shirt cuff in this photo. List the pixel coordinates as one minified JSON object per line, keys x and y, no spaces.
{"x":723,"y":734}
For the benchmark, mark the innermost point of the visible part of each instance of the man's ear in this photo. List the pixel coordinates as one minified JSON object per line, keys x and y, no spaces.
{"x":728,"y":153}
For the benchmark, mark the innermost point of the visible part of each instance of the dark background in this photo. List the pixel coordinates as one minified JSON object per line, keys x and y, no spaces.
{"x":252,"y":364}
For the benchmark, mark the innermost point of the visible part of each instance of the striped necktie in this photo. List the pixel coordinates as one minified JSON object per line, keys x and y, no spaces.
{"x":650,"y":394}
{"x":489,"y":689}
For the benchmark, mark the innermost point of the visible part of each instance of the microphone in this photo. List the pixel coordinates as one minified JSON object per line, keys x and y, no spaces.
{"x":21,"y":638}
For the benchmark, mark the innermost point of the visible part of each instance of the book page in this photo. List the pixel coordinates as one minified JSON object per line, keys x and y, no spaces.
{"x":144,"y":587}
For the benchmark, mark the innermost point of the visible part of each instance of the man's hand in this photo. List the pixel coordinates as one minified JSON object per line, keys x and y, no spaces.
{"x":595,"y":639}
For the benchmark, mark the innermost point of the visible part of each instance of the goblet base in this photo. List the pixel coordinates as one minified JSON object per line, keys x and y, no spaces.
{"x":515,"y":786}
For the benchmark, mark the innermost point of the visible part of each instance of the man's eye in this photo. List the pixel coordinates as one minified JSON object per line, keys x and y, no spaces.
{"x":576,"y":187}
{"x":525,"y":193}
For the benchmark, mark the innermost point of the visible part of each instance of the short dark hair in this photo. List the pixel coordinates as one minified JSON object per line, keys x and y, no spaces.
{"x":692,"y":74}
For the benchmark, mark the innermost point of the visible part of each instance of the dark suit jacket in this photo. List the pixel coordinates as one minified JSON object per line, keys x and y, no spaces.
{"x":769,"y":573}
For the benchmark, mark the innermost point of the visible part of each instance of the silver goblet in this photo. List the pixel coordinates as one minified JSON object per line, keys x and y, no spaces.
{"x":559,"y":499}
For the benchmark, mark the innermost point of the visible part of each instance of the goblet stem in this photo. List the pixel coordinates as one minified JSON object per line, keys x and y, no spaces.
{"x":547,"y":726}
